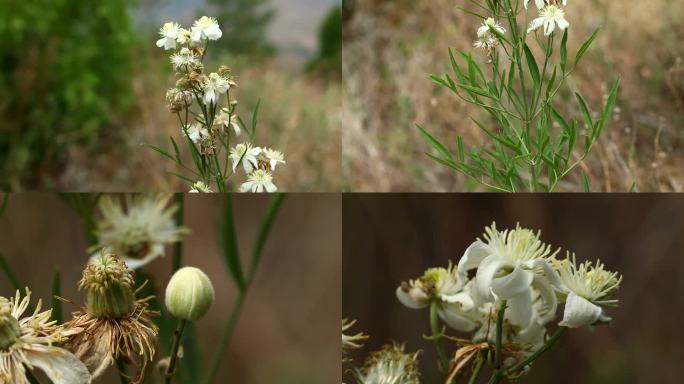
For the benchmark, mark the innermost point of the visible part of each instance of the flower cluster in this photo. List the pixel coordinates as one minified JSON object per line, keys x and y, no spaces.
{"x":207,"y":121}
{"x":551,"y":15}
{"x":511,"y":277}
{"x":486,"y":35}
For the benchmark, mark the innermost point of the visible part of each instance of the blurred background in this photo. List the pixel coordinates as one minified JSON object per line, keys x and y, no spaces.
{"x":82,"y":87}
{"x":288,"y":331}
{"x":391,"y":46}
{"x":391,"y":238}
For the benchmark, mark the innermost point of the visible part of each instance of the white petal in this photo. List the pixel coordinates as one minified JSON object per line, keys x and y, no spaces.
{"x":411,"y":299}
{"x":60,"y":366}
{"x":539,"y":3}
{"x":550,"y":273}
{"x":533,"y":335}
{"x":473,"y":256}
{"x":580,"y":312}
{"x":270,"y":188}
{"x":454,"y":316}
{"x":463,"y":299}
{"x":513,"y":284}
{"x":547,"y":303}
{"x":485,"y":274}
{"x":519,"y":309}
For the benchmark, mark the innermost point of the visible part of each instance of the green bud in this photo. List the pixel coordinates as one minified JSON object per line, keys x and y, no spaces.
{"x":9,"y":326}
{"x":189,"y":294}
{"x":109,"y":285}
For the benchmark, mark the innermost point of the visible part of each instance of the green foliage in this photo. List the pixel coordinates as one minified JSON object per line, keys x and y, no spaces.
{"x":244,"y":24}
{"x":532,"y":146}
{"x":64,"y":72}
{"x":328,"y":62}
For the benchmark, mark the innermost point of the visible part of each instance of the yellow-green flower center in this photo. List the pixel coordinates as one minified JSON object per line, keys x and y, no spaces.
{"x":9,"y":326}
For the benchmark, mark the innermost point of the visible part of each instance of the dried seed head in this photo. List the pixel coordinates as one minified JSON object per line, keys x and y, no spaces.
{"x":224,"y":71}
{"x":109,"y":284}
{"x":189,"y":294}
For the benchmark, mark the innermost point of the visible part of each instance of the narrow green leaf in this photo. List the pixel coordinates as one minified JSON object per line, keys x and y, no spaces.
{"x":477,"y":91}
{"x":534,"y":68}
{"x":585,"y":112}
{"x":436,"y":144}
{"x":610,"y":106}
{"x":473,"y":13}
{"x":583,"y":49}
{"x":633,"y":188}
{"x":229,"y":243}
{"x":255,"y":114}
{"x":585,"y":182}
{"x":461,"y":151}
{"x":564,"y":51}
{"x":184,"y":178}
{"x":161,"y":151}
{"x":9,"y":273}
{"x":56,"y":292}
{"x":264,"y":230}
{"x":175,"y":149}
{"x":439,"y":81}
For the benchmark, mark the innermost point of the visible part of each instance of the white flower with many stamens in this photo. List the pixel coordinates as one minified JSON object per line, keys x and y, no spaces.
{"x":259,"y":181}
{"x":513,"y":265}
{"x":273,"y":157}
{"x":137,"y":229}
{"x":169,"y":32}
{"x":29,"y":342}
{"x":214,"y":86}
{"x":200,"y":187}
{"x":485,"y":38}
{"x":247,"y":155}
{"x":550,"y":17}
{"x":205,"y":28}
{"x":449,"y":289}
{"x":184,"y":59}
{"x":226,"y":119}
{"x":183,"y":36}
{"x":196,"y":132}
{"x":589,"y":287}
{"x":391,"y":365}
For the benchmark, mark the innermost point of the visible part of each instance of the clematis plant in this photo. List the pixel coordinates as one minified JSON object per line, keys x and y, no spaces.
{"x":504,"y":293}
{"x":531,"y":145}
{"x":208,"y":117}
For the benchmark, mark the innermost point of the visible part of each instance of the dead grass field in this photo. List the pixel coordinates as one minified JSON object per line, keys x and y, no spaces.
{"x":390,"y":47}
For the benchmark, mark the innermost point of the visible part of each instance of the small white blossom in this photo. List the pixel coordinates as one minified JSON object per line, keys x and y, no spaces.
{"x":226,"y":120}
{"x":200,"y":187}
{"x":205,"y":28}
{"x":550,"y":17}
{"x":169,"y":33}
{"x":273,"y":157}
{"x":183,"y":36}
{"x":196,"y":132}
{"x":259,"y":181}
{"x":184,"y":58}
{"x":542,"y":3}
{"x":214,"y":86}
{"x":485,"y":38}
{"x":246,"y":154}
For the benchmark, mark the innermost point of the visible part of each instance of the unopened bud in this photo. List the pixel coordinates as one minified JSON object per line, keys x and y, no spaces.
{"x":189,"y":294}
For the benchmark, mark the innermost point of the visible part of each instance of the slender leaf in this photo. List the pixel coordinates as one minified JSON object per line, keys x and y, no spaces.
{"x":583,"y":49}
{"x":533,"y":67}
{"x":436,"y":144}
{"x":264,"y":230}
{"x":161,"y":151}
{"x":56,"y":292}
{"x":585,"y":182}
{"x":255,"y":114}
{"x":564,"y":51}
{"x":229,"y":243}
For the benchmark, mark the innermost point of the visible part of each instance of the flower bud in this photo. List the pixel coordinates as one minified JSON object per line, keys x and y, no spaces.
{"x":9,"y":326}
{"x":189,"y":294}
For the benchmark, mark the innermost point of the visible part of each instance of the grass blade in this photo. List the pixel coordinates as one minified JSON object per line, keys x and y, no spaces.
{"x":56,"y":292}
{"x":265,"y":230}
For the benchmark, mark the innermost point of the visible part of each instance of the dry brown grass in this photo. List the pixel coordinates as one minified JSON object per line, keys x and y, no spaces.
{"x":391,"y":46}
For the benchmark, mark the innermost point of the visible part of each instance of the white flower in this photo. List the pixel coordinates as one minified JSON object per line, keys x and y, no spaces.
{"x":200,"y":187}
{"x":214,"y":86}
{"x":226,"y":120}
{"x":513,"y":265}
{"x":588,"y":288}
{"x":169,"y":33}
{"x":196,"y":132}
{"x":205,"y":28}
{"x":184,"y":58}
{"x":29,"y":343}
{"x":391,"y":365}
{"x":274,"y":157}
{"x":183,"y":36}
{"x":449,"y":289}
{"x":488,"y":25}
{"x":550,"y":17}
{"x":137,"y":229}
{"x":247,"y":155}
{"x":259,"y":181}
{"x":541,"y":3}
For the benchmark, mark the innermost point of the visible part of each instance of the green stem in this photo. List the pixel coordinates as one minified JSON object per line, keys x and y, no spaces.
{"x":121,"y":368}
{"x":499,"y":334}
{"x":549,"y":343}
{"x":178,"y":246}
{"x":177,"y":338}
{"x":437,"y":336}
{"x":225,"y":338}
{"x":477,"y":371}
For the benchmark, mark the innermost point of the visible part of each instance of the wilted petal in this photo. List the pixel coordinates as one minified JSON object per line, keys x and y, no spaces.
{"x":580,"y":312}
{"x":60,"y":366}
{"x":513,"y":284}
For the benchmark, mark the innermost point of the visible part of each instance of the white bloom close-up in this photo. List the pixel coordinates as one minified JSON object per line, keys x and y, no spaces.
{"x":137,"y":229}
{"x":205,"y":28}
{"x":513,"y":265}
{"x":30,"y":343}
{"x":169,"y":34}
{"x":391,"y":365}
{"x":550,"y":17}
{"x":183,"y":36}
{"x":226,"y":119}
{"x":200,"y":187}
{"x":589,"y":287}
{"x":183,"y":59}
{"x":273,"y":157}
{"x":247,"y":155}
{"x":259,"y":181}
{"x":214,"y":86}
{"x":196,"y":133}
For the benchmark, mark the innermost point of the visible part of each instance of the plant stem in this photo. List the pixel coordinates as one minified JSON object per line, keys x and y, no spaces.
{"x":499,"y":334}
{"x":437,"y":336}
{"x":178,"y":246}
{"x":177,"y":337}
{"x":477,"y":371}
{"x":225,"y":338}
{"x":549,"y":343}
